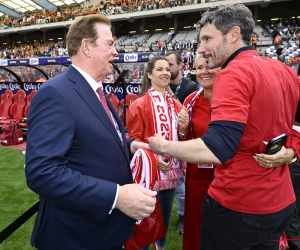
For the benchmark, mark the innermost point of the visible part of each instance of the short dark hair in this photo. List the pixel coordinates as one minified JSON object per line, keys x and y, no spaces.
{"x":177,"y":55}
{"x":227,"y":16}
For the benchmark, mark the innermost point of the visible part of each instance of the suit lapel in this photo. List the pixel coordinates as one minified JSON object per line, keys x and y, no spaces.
{"x":83,"y":88}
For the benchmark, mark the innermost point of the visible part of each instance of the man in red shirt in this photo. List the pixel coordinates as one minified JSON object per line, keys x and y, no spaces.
{"x":249,"y":203}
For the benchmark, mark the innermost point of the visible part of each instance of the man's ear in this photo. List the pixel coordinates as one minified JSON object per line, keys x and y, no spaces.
{"x":180,"y":65}
{"x":234,"y":34}
{"x":85,"y":46}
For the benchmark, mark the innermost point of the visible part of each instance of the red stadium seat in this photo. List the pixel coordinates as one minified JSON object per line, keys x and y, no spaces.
{"x":23,"y":123}
{"x":29,"y":99}
{"x":5,"y":104}
{"x":115,"y":102}
{"x":124,"y":107}
{"x":17,"y":108}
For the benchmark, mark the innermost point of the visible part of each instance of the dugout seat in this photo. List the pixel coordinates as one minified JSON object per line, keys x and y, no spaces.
{"x":130,"y":98}
{"x":115,"y":102}
{"x":16,"y":111}
{"x":23,"y":123}
{"x":6,"y":101}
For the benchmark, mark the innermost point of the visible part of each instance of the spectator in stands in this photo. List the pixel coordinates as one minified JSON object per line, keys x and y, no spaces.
{"x":294,"y":23}
{"x":277,"y":41}
{"x":243,"y":207}
{"x":74,"y":211}
{"x":254,"y":41}
{"x":159,"y":45}
{"x":189,"y":45}
{"x":190,"y":61}
{"x":151,"y":47}
{"x":41,"y":78}
{"x":183,"y":46}
{"x":286,"y":24}
{"x":141,"y":125}
{"x":179,"y":88}
{"x":122,"y":50}
{"x":279,"y":50}
{"x":195,"y":45}
{"x":177,"y":46}
{"x":280,"y":26}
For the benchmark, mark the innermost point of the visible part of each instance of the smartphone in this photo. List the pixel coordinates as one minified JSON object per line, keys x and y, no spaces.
{"x":275,"y":144}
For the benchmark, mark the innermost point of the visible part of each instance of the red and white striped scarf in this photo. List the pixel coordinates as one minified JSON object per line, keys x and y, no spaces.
{"x":162,"y":118}
{"x":143,"y":168}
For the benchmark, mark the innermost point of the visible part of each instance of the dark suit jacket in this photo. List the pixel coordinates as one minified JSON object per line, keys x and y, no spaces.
{"x":187,"y":87}
{"x":74,"y":160}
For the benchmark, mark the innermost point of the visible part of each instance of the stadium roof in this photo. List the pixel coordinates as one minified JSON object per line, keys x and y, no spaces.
{"x":15,"y":7}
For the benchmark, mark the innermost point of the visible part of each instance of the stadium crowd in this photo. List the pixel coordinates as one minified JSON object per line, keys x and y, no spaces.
{"x":69,"y":13}
{"x":283,"y":33}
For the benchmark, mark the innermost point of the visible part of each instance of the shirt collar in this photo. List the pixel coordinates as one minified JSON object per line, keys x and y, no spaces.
{"x":235,"y":54}
{"x":94,"y":84}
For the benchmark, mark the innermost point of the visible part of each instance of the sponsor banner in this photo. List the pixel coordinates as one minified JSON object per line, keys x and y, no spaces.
{"x":129,"y":88}
{"x":47,"y":60}
{"x":29,"y":86}
{"x":3,"y":62}
{"x":132,"y":57}
{"x":14,"y":86}
{"x":13,"y":62}
{"x":68,"y":60}
{"x":145,"y":57}
{"x":23,"y":61}
{"x":34,"y":61}
{"x":121,"y":58}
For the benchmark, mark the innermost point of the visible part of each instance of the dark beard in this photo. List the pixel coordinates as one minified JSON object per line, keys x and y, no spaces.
{"x":174,"y":75}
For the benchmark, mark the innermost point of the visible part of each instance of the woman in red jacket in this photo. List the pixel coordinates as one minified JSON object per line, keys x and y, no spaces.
{"x":155,"y":112}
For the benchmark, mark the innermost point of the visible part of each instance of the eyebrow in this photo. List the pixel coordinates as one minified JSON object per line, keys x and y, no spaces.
{"x":109,"y":41}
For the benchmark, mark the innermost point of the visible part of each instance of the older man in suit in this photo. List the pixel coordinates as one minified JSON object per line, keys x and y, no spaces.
{"x":77,"y":156}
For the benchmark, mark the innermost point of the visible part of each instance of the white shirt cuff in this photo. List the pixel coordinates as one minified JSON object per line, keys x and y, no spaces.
{"x":116,"y":197}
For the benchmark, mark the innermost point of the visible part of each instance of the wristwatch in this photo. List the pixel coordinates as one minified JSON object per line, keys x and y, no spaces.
{"x":175,"y":97}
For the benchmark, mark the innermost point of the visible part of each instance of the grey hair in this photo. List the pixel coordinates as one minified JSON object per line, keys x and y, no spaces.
{"x":227,"y":16}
